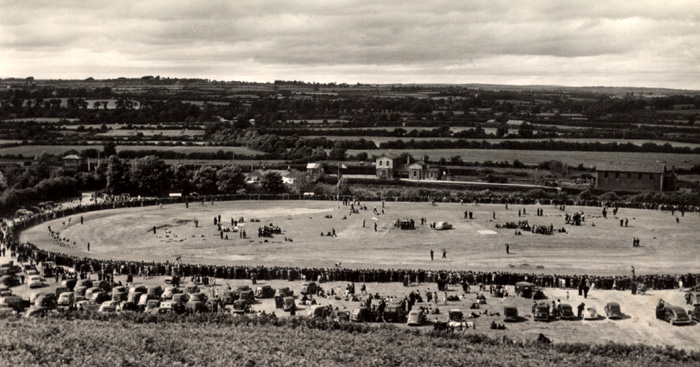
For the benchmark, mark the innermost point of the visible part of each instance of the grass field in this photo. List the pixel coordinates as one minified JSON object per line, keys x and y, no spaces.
{"x":124,"y":132}
{"x":605,"y":248}
{"x":588,"y":159}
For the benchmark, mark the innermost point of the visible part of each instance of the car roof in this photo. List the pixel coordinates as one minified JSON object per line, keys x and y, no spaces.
{"x":613,"y":304}
{"x":675,"y":308}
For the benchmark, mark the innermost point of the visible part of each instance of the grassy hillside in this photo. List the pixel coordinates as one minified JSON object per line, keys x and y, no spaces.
{"x":221,"y":340}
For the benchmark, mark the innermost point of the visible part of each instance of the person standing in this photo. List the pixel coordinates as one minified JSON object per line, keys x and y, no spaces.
{"x":507,"y":249}
{"x":444,"y":254}
{"x":431,"y":254}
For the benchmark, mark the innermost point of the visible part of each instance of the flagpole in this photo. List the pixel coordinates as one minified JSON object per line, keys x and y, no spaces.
{"x":338,"y":184}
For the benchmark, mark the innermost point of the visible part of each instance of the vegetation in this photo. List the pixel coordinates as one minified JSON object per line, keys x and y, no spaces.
{"x":222,"y":340}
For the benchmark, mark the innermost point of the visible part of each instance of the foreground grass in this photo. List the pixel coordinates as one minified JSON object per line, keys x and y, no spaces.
{"x":221,"y":340}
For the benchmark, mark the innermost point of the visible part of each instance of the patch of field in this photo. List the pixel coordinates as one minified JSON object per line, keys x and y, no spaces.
{"x":31,"y":150}
{"x":605,"y":248}
{"x":588,"y":159}
{"x":124,"y":132}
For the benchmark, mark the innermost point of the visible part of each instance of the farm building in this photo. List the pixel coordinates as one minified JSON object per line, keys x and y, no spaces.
{"x":314,"y":171}
{"x":617,"y":177}
{"x":388,"y":166}
{"x":423,"y":171}
{"x":71,"y":163}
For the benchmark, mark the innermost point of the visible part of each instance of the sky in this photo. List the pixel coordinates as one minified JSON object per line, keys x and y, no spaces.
{"x":638,"y":43}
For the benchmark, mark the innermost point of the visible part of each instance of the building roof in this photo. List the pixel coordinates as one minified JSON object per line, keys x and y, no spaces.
{"x":389,"y":155}
{"x":313,"y":166}
{"x":636,"y":168}
{"x":71,"y":157}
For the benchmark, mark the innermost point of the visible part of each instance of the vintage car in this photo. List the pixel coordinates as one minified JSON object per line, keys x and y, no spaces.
{"x":695,"y":313}
{"x":443,"y":226}
{"x":362,"y":314}
{"x":240,"y":307}
{"x":283,"y":292}
{"x":341,"y":316}
{"x":157,"y":290}
{"x":127,"y":306}
{"x":541,"y":313}
{"x":264,"y":291}
{"x":191,"y":289}
{"x":240,"y":289}
{"x":227,"y":298}
{"x":36,"y":312}
{"x":161,"y":311}
{"x":675,"y":315}
{"x":108,"y":306}
{"x":138,"y":289}
{"x":87,"y":283}
{"x":247,"y":296}
{"x":308,"y":288}
{"x":35,"y":281}
{"x":525,"y":289}
{"x":416,"y":317}
{"x":169,"y":292}
{"x":119,"y":296}
{"x":612,"y":310}
{"x":178,"y":302}
{"x":395,"y":312}
{"x":510,"y":313}
{"x":134,"y":297}
{"x":455,"y":318}
{"x":99,"y":297}
{"x":143,"y":300}
{"x":69,"y":283}
{"x":48,"y":268}
{"x":288,"y":303}
{"x":566,"y":312}
{"x":196,"y":303}
{"x":14,"y":302}
{"x":319,"y":311}
{"x":121,"y":289}
{"x":66,"y":301}
{"x":46,"y":300}
{"x":9,"y":281}
{"x":590,"y":313}
{"x":151,"y":305}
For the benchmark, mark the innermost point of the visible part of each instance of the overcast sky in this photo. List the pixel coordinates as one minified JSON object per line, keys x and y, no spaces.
{"x":577,"y":43}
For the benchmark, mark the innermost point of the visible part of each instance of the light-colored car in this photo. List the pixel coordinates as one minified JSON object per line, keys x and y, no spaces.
{"x":416,"y":318}
{"x":35,"y":281}
{"x":590,"y":313}
{"x":443,"y":226}
{"x":108,"y":306}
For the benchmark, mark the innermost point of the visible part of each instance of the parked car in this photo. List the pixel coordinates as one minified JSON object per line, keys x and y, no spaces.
{"x":80,"y":291}
{"x":566,"y":312}
{"x":108,"y":306}
{"x":46,"y":300}
{"x":36,"y":312}
{"x":695,"y":313}
{"x":590,"y":313}
{"x":612,"y":310}
{"x":69,"y":283}
{"x":525,"y":289}
{"x":675,"y":315}
{"x":9,"y":281}
{"x":157,"y":290}
{"x":90,"y":291}
{"x":456,"y":319}
{"x":14,"y":302}
{"x":169,"y":292}
{"x":127,"y":306}
{"x":138,"y":289}
{"x":264,"y":291}
{"x":227,"y":298}
{"x":288,"y":303}
{"x":362,"y":314}
{"x":443,"y":226}
{"x":319,"y":311}
{"x":395,"y":312}
{"x":196,"y":303}
{"x":309,"y":288}
{"x":416,"y":317}
{"x":247,"y":296}
{"x":342,"y":316}
{"x":151,"y":305}
{"x":191,"y":289}
{"x":541,"y":313}
{"x":143,"y":301}
{"x":240,"y":307}
{"x":283,"y":292}
{"x":134,"y":297}
{"x":87,"y":283}
{"x":99,"y":298}
{"x":510,"y":313}
{"x":240,"y":289}
{"x":35,"y":281}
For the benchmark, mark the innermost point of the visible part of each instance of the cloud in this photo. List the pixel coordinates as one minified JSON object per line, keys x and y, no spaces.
{"x":553,"y":42}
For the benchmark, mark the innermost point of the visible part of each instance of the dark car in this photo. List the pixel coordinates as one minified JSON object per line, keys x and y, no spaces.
{"x":240,"y":289}
{"x":566,"y":312}
{"x":69,"y":283}
{"x":196,"y":303}
{"x":525,"y":289}
{"x":247,"y":296}
{"x":395,"y":312}
{"x":675,"y":315}
{"x":14,"y":302}
{"x":46,"y":300}
{"x":362,"y":314}
{"x":541,"y":313}
{"x":228,"y":297}
{"x":612,"y":310}
{"x":309,"y":288}
{"x":240,"y":307}
{"x":264,"y":291}
{"x":510,"y":313}
{"x":84,"y":283}
{"x":9,"y":281}
{"x":36,"y":312}
{"x":288,"y":303}
{"x":283,"y":292}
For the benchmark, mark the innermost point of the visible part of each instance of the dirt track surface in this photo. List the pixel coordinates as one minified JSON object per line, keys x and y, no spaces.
{"x":598,"y":246}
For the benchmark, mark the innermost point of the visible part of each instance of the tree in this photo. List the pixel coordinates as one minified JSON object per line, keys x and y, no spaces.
{"x":272,"y":183}
{"x":204,"y":180}
{"x":526,"y":130}
{"x":230,"y":179}
{"x":110,"y":149}
{"x":118,"y":176}
{"x":502,"y":130}
{"x":150,"y":176}
{"x":181,"y":179}
{"x":338,"y":151}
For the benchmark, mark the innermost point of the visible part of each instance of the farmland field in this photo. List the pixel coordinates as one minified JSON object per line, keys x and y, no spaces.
{"x":30,"y":150}
{"x":588,"y":159}
{"x":125,"y":132}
